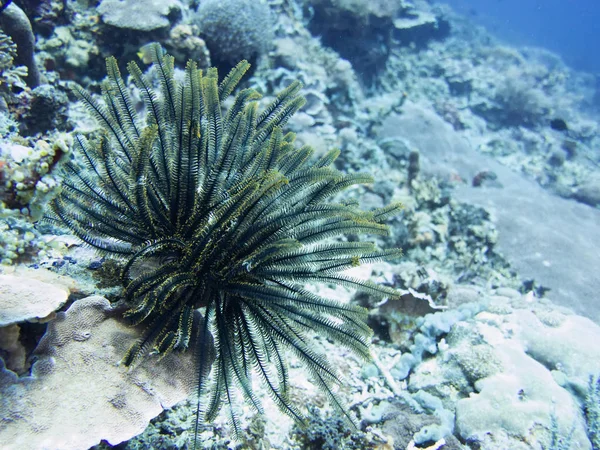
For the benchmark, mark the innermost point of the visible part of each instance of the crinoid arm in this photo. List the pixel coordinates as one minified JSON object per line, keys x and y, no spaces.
{"x":218,"y":211}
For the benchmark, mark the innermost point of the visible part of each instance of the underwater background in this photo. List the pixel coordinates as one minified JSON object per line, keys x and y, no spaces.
{"x":568,"y":28}
{"x":157,"y":297}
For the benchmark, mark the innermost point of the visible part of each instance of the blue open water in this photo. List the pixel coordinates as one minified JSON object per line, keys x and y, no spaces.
{"x":569,"y":27}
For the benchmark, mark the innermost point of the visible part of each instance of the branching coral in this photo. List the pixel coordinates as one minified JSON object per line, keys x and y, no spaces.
{"x":9,"y":74}
{"x":220,"y":212}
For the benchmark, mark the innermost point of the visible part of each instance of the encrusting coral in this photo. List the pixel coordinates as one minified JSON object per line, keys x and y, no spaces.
{"x":138,"y":15}
{"x":77,"y":396}
{"x":219,"y":212}
{"x":28,"y":299}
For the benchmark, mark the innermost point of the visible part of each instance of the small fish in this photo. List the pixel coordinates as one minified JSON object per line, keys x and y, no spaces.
{"x":558,"y":125}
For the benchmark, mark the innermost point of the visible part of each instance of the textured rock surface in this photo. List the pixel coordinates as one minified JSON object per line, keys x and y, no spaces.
{"x":589,"y":192}
{"x":565,"y":343}
{"x":513,"y":373}
{"x":517,"y":405}
{"x":552,"y":240}
{"x":12,"y":349}
{"x":78,"y":395}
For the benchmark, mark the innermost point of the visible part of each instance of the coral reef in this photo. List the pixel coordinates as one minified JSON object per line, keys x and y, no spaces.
{"x":372,"y":28}
{"x":518,"y":103}
{"x":331,"y":433}
{"x":11,"y":76}
{"x":76,"y":396}
{"x":235,"y":29}
{"x":27,"y":183}
{"x":496,"y":373}
{"x":12,"y":351}
{"x":16,"y":24}
{"x":139,"y":15}
{"x":46,"y":111}
{"x":73,"y":50}
{"x":531,"y":386}
{"x":45,"y":15}
{"x":366,"y":27}
{"x":449,"y":121}
{"x":27,"y":296}
{"x":592,"y":410}
{"x":184,"y":43}
{"x":242,"y":219}
{"x":25,"y":299}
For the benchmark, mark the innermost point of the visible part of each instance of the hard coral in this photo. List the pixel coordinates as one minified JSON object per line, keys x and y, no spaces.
{"x":16,"y":24}
{"x":28,"y":299}
{"x":221,"y":212}
{"x":77,"y":395}
{"x":10,"y":75}
{"x":235,"y":29}
{"x":140,"y":15}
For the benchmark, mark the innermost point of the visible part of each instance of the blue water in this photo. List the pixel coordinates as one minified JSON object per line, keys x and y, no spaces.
{"x":568,"y":27}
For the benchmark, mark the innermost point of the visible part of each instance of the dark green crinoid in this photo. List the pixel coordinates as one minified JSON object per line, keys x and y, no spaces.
{"x":219,"y":212}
